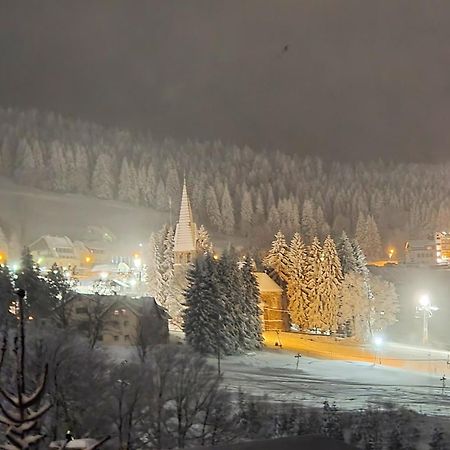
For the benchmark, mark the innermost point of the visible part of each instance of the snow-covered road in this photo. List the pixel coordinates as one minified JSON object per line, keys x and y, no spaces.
{"x":351,"y":384}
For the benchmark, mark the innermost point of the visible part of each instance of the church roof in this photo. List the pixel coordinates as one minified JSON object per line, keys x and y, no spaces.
{"x":186,"y":230}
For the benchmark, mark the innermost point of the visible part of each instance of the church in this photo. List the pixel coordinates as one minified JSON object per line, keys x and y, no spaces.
{"x":274,"y":313}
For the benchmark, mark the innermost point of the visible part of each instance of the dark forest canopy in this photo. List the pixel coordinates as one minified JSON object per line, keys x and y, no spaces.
{"x":342,"y":80}
{"x":233,"y":190}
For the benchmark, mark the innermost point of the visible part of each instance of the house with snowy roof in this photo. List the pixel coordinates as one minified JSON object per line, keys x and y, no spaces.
{"x":48,"y":250}
{"x":116,"y":319}
{"x":273,"y":306}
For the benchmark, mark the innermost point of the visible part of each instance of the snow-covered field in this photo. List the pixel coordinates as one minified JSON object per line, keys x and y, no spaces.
{"x":350,"y":384}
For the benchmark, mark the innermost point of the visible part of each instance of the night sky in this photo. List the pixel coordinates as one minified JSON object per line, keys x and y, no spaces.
{"x":341,"y":79}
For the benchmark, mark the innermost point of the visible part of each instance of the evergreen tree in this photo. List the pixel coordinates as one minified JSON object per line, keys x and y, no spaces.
{"x":361,"y":233}
{"x":246,"y":213}
{"x":329,"y":284}
{"x":296,"y":287}
{"x":227,"y":213}
{"x":204,"y":244}
{"x":123,"y":193}
{"x":346,"y":255}
{"x":374,"y":247}
{"x":81,"y":175}
{"x":102,"y":177}
{"x":58,"y":167}
{"x":251,"y":312}
{"x":312,"y":275}
{"x":277,"y":259}
{"x":323,"y":229}
{"x":162,"y":201}
{"x":29,"y":279}
{"x":59,"y":287}
{"x":133,"y":194}
{"x":6,"y":292}
{"x":212,"y":208}
{"x":205,"y":316}
{"x":309,"y":224}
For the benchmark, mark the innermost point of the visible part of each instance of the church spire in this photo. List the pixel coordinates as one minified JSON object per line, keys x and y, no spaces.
{"x":185,"y":245}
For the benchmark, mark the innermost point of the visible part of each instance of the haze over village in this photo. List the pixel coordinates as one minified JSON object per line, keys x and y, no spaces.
{"x":224,"y":225}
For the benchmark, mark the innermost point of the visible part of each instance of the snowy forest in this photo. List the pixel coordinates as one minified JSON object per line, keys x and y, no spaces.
{"x":233,"y":190}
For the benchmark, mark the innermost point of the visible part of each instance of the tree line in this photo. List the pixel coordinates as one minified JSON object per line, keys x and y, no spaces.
{"x":250,"y":192}
{"x":329,"y":287}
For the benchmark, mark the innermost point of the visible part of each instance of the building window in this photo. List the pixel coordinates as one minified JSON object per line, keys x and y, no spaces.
{"x":125,"y":323}
{"x":116,"y":338}
{"x":82,"y":310}
{"x":123,"y":311}
{"x":127,"y":337}
{"x":116,"y":312}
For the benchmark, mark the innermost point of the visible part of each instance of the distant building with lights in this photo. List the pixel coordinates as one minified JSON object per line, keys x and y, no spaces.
{"x":429,"y":252}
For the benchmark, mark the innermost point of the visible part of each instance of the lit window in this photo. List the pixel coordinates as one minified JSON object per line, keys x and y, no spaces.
{"x":116,"y":312}
{"x":123,"y":311}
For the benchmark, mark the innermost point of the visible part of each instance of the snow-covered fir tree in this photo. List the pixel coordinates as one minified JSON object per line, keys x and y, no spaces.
{"x":212,"y":208}
{"x":346,"y":254}
{"x":314,"y":307}
{"x":296,"y":285}
{"x":250,"y":310}
{"x":205,"y":318}
{"x":246,"y":213}
{"x":277,"y":259}
{"x":309,"y":224}
{"x":204,"y":244}
{"x":227,"y":212}
{"x":102,"y":177}
{"x":329,"y":284}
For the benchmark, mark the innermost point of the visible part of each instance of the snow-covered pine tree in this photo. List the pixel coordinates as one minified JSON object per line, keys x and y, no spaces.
{"x":205,"y":318}
{"x":277,"y":259}
{"x":162,"y":201}
{"x":374,"y":247}
{"x":296,"y":287}
{"x":314,"y":307}
{"x":329,"y":284}
{"x":323,"y":228}
{"x":102,"y":177}
{"x":37,"y":302}
{"x":346,"y":254}
{"x":251,"y":312}
{"x":385,"y":304}
{"x":58,"y":168}
{"x":212,"y":208}
{"x":231,"y":287}
{"x":81,"y":174}
{"x":204,"y":244}
{"x":6,"y":292}
{"x":309,"y":224}
{"x":227,"y":212}
{"x":133,"y":196}
{"x":123,"y":192}
{"x":246,"y":213}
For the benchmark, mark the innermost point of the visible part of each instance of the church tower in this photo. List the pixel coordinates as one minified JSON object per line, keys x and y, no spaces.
{"x":185,"y":246}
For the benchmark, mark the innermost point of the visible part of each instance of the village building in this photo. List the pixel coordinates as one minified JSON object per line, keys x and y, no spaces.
{"x":185,"y":244}
{"x":48,"y":250}
{"x":272,"y":303}
{"x":116,"y":319}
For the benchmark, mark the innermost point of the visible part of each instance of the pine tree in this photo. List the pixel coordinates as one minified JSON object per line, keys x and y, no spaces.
{"x":329,"y":284}
{"x":313,"y":270}
{"x":296,"y":285}
{"x":323,"y":229}
{"x":204,"y":244}
{"x":309,"y":224}
{"x":331,"y":424}
{"x":81,"y":175}
{"x":123,"y":193}
{"x":6,"y":292}
{"x":277,"y":259}
{"x":162,"y":201}
{"x":346,"y":255}
{"x":205,"y":316}
{"x":230,"y":280}
{"x":59,"y":288}
{"x":133,"y":195}
{"x":361,"y":233}
{"x":212,"y":208}
{"x":102,"y":177}
{"x":227,"y":213}
{"x":58,"y":167}
{"x":246,"y":213}
{"x":374,"y":247}
{"x":37,"y":301}
{"x":251,"y":313}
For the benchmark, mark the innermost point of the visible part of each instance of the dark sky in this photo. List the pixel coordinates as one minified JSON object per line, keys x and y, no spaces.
{"x":358,"y":78}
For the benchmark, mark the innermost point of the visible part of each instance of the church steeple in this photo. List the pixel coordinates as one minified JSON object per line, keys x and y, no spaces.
{"x":185,"y":246}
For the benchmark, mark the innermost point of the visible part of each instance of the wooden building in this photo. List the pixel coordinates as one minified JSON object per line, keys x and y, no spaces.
{"x":117,"y":319}
{"x":273,"y":304}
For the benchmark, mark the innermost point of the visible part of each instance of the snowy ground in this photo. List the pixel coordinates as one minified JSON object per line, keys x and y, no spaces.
{"x":350,"y":384}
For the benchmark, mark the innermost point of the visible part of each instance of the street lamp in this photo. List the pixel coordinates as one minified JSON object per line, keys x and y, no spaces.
{"x":426,"y":309}
{"x":378,"y":343}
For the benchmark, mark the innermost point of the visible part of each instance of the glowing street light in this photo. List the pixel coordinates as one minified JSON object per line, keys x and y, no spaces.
{"x":426,"y":308}
{"x":391,"y":252}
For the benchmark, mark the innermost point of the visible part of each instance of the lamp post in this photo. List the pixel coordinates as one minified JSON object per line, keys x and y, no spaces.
{"x":378,"y":342}
{"x":426,"y":309}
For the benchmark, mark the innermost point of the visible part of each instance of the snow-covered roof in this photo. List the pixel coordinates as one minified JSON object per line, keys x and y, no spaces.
{"x":186,"y":230}
{"x":55,"y":241}
{"x":266,"y":284}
